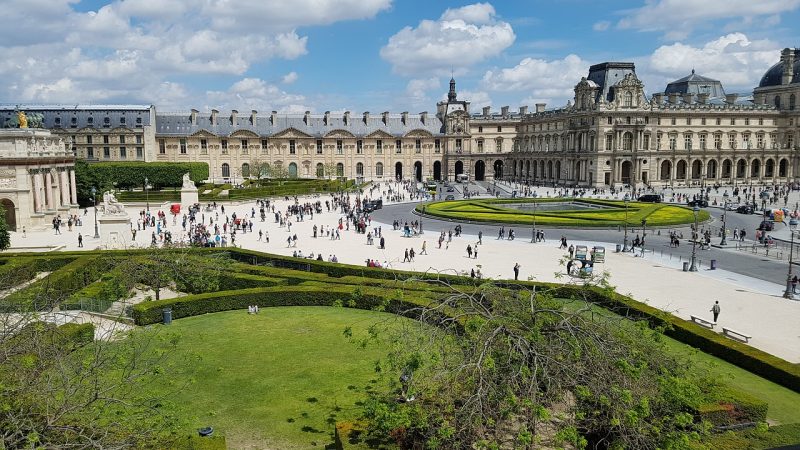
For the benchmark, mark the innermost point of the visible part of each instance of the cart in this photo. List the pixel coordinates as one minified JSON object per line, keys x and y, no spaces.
{"x":599,"y":254}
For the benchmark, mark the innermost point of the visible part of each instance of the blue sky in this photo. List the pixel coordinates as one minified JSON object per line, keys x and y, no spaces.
{"x":375,"y":55}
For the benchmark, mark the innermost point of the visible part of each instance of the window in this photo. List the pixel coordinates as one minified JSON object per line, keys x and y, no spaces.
{"x":224,"y":146}
{"x":719,"y":121}
{"x":687,"y":141}
{"x":319,"y":146}
{"x":703,"y":141}
{"x":379,"y":170}
{"x":122,"y":139}
{"x":610,"y":120}
{"x":747,"y":121}
{"x":58,"y":122}
{"x":688,"y":121}
{"x":645,"y":144}
{"x":732,"y":140}
{"x":162,"y":147}
{"x":790,"y":141}
{"x":139,"y":153}
{"x":379,"y":147}
{"x":673,"y":142}
{"x":733,"y":121}
{"x":628,"y":101}
{"x":761,"y":121}
{"x":203,"y":146}
{"x":244,"y":145}
{"x":398,"y":146}
{"x":74,"y":122}
{"x":138,"y":122}
{"x":359,"y":147}
{"x":292,"y":149}
{"x":105,"y":139}
{"x":122,"y":120}
{"x":774,"y":139}
{"x":673,"y":121}
{"x":480,"y":145}
{"x":627,"y":141}
{"x":703,"y":121}
{"x":264,"y":146}
{"x":339,"y":148}
{"x":717,"y":141}
{"x":106,"y":152}
{"x":792,"y":100}
{"x":437,"y":146}
{"x":90,"y":152}
{"x":123,"y":153}
{"x":245,"y":170}
{"x":628,"y":120}
{"x":183,"y":146}
{"x":106,"y":122}
{"x":226,"y":170}
{"x":499,"y":129}
{"x":760,"y":140}
{"x":609,"y":142}
{"x":746,"y":140}
{"x":778,"y":102}
{"x":418,"y":146}
{"x":360,"y":169}
{"x":458,"y":145}
{"x":138,"y":138}
{"x":658,"y":141}
{"x":89,"y":139}
{"x":339,"y":170}
{"x":320,"y":170}
{"x":480,"y":129}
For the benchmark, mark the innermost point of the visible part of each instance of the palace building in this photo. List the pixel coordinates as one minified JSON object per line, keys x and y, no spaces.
{"x":612,"y":133}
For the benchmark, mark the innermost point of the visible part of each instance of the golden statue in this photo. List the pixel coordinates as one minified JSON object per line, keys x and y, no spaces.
{"x":23,"y":120}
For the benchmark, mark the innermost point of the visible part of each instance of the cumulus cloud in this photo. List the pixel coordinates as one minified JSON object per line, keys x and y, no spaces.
{"x":601,"y":25}
{"x":547,"y":80}
{"x":679,"y":17}
{"x":254,"y":93}
{"x":478,"y":99}
{"x":733,"y":59}
{"x":289,"y":78}
{"x":458,"y":39}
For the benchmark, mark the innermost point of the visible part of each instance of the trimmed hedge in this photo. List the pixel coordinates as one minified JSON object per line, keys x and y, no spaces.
{"x":16,"y":271}
{"x":757,"y":438}
{"x":77,"y":334}
{"x":288,"y":188}
{"x":732,"y":406}
{"x":126,"y":175}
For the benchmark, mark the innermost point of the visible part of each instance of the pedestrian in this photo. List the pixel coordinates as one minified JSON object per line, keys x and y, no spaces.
{"x":469,"y":251}
{"x":715,"y":309}
{"x":571,"y":251}
{"x":425,"y":249}
{"x":794,"y":284}
{"x":480,"y":237}
{"x":406,"y":257}
{"x":475,"y":252}
{"x":80,"y":242}
{"x":516,"y":271}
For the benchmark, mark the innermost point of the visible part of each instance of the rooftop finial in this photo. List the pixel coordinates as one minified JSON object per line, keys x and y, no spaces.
{"x":692,"y":70}
{"x":451,"y":95}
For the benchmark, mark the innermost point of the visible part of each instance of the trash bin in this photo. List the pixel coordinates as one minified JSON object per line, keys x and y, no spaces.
{"x":167,"y":315}
{"x":619,"y":248}
{"x":685,"y":266}
{"x":713,"y":264}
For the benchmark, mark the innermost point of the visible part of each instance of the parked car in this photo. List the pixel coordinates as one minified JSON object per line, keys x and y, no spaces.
{"x":450,"y":197}
{"x":698,"y":203}
{"x":650,"y":198}
{"x":766,"y":225}
{"x":372,"y":205}
{"x":451,"y":189}
{"x":745,"y":209}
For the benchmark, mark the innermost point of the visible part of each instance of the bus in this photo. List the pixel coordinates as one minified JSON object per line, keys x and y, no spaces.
{"x":462,"y":178}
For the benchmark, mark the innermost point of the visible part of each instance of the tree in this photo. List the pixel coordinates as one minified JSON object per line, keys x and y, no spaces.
{"x":5,"y":236}
{"x":179,"y":269}
{"x":279,"y":172}
{"x":330,"y":170}
{"x":259,"y":168}
{"x":488,"y":367}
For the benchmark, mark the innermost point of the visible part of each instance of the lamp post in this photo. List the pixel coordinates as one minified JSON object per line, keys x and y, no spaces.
{"x":625,"y":241}
{"x":789,"y":292}
{"x":533,"y":229}
{"x":94,"y":202}
{"x":724,"y":240}
{"x":695,"y":235}
{"x":644,"y":234}
{"x":147,"y":193}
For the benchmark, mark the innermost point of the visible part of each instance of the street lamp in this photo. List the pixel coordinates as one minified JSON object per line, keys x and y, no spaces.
{"x":147,"y":193}
{"x":696,"y":236}
{"x":724,"y":240}
{"x":533,"y":230}
{"x":94,"y":202}
{"x":789,"y":292}
{"x":625,"y":241}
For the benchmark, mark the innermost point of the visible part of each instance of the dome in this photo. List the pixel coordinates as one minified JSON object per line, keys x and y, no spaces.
{"x":696,"y":84}
{"x":774,"y":75}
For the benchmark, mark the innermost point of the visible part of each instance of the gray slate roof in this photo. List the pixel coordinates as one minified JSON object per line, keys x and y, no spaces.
{"x":696,"y":84}
{"x":61,"y":116}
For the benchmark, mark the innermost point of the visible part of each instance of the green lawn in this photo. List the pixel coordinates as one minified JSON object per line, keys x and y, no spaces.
{"x":276,"y":380}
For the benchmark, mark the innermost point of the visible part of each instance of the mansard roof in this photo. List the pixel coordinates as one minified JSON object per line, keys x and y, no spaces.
{"x":696,"y":84}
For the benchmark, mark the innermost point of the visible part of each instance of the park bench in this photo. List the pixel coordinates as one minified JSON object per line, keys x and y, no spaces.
{"x":704,"y":322}
{"x":731,"y":333}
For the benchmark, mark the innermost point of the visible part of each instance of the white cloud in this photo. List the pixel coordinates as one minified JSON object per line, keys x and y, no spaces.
{"x":601,"y":25}
{"x":288,"y":15}
{"x":253,"y":93}
{"x":733,"y":59}
{"x":679,"y":17}
{"x":417,"y":91}
{"x":460,"y":38}
{"x":478,"y":99}
{"x":289,"y":78}
{"x":546,"y":80}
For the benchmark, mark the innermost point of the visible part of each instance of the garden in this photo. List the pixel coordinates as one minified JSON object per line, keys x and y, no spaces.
{"x":572,"y":212}
{"x":321,"y":363}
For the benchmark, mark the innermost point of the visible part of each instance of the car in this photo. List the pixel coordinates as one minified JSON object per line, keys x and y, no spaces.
{"x":450,"y":197}
{"x":650,"y":198}
{"x":451,"y":189}
{"x":766,"y":225}
{"x":745,"y":209}
{"x":698,"y":203}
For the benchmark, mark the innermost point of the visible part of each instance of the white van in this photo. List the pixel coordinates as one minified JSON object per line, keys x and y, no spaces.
{"x":462,"y":178}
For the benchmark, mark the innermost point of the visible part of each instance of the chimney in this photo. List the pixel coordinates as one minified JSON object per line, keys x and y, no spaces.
{"x":787,"y":57}
{"x":487,"y":110}
{"x":540,"y":107}
{"x":253,"y":117}
{"x":233,"y":116}
{"x":385,"y":117}
{"x":687,"y":98}
{"x":366,"y":117}
{"x":193,"y":117}
{"x":347,"y":118}
{"x":673,"y":98}
{"x":423,"y":117}
{"x":504,"y":111}
{"x":658,"y":99}
{"x":404,"y":117}
{"x":523,"y":110}
{"x":327,"y":118}
{"x":731,"y":98}
{"x":702,"y":97}
{"x":214,"y":113}
{"x":273,"y":118}
{"x":306,"y":117}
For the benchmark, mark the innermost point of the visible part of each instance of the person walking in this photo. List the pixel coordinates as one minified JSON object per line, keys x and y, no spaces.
{"x":406,"y":257}
{"x":715,"y":309}
{"x":80,"y":243}
{"x":469,"y":251}
{"x":480,"y":237}
{"x":516,"y":271}
{"x":424,"y":248}
{"x":475,"y":252}
{"x":794,"y":284}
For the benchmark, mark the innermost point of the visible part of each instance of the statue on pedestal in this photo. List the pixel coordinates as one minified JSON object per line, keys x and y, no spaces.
{"x":110,"y":204}
{"x":187,"y":182}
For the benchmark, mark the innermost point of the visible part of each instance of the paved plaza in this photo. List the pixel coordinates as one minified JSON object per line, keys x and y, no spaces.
{"x":750,"y":305}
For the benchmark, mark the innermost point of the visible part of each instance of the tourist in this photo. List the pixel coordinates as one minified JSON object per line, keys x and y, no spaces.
{"x":469,"y":251}
{"x":80,"y":243}
{"x":571,"y":251}
{"x":480,"y":237}
{"x":424,"y":248}
{"x":516,"y":271}
{"x":406,"y":257}
{"x":715,"y":310}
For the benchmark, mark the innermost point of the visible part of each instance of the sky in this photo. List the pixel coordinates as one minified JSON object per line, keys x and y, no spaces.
{"x":372,"y":55}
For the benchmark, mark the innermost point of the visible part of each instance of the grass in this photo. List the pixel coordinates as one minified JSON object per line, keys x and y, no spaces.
{"x":280,"y":379}
{"x":608,"y":213}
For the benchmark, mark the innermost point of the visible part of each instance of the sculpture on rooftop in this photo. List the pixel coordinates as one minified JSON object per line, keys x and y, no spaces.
{"x":22,"y":119}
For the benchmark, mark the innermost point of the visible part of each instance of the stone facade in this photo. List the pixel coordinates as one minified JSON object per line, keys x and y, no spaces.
{"x":37,"y":177}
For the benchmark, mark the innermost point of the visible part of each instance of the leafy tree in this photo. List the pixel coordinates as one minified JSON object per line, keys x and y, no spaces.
{"x":259,"y":168}
{"x":178,"y":269}
{"x":280,"y":173}
{"x":5,"y":237}
{"x":330,"y":170}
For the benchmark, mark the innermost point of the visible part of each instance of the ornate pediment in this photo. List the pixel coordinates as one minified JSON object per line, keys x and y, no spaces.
{"x":379,"y":134}
{"x":244,"y":133}
{"x":339,"y":134}
{"x":585,"y":84}
{"x":291,"y":133}
{"x":418,"y":132}
{"x":630,"y":81}
{"x":203,"y":133}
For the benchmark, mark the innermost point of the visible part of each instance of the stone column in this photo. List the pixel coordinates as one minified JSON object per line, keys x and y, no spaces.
{"x":37,"y":188}
{"x":63,"y":187}
{"x":48,"y":191}
{"x":73,"y":193}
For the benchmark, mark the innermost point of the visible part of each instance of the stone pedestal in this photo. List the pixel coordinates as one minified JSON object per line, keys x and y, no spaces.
{"x":189,"y":196}
{"x":115,"y":231}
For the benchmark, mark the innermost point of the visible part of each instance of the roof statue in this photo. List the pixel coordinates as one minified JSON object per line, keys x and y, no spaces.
{"x":22,"y":119}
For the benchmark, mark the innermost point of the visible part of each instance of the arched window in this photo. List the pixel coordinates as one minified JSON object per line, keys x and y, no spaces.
{"x":628,"y":101}
{"x":379,"y":169}
{"x":340,"y":170}
{"x":320,"y":170}
{"x":778,"y":101}
{"x":791,"y":101}
{"x":627,"y":141}
{"x":245,"y":170}
{"x":226,"y":170}
{"x":292,"y":170}
{"x":359,"y":169}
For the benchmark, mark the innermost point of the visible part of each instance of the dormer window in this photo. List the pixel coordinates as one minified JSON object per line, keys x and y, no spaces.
{"x":628,"y":100}
{"x":106,"y":121}
{"x":89,"y":120}
{"x":122,"y":120}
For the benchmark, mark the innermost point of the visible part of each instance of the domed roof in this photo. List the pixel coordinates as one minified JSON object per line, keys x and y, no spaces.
{"x":773,"y":76}
{"x":696,"y":84}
